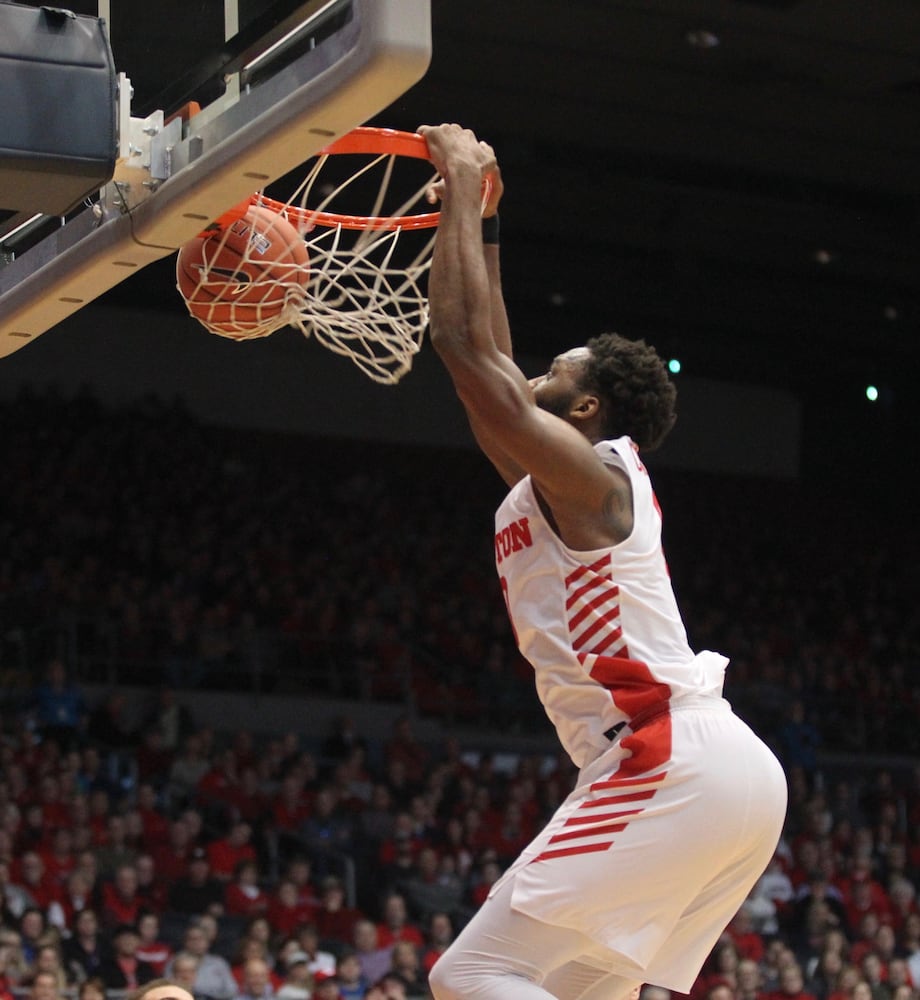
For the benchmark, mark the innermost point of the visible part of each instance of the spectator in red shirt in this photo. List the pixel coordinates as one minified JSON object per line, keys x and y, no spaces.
{"x":291,"y":804}
{"x":300,"y":871}
{"x":124,"y":970}
{"x":171,"y":859}
{"x":287,"y":911}
{"x":155,"y":823}
{"x":746,"y":939}
{"x":862,"y":892}
{"x":100,"y":805}
{"x":55,"y":812}
{"x":439,"y":938}
{"x":489,"y":872}
{"x":249,"y":950}
{"x":396,"y":925}
{"x":151,"y":949}
{"x":79,"y":823}
{"x":152,"y":759}
{"x":243,"y":896}
{"x":31,"y":832}
{"x":475,"y":830}
{"x":404,"y":837}
{"x":402,"y":747}
{"x":335,"y":919}
{"x":227,"y":852}
{"x":250,"y":803}
{"x":220,"y":784}
{"x":121,"y":904}
{"x":512,"y":834}
{"x":59,"y":858}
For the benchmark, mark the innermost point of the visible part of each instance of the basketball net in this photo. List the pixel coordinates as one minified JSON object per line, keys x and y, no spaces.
{"x":365,"y":298}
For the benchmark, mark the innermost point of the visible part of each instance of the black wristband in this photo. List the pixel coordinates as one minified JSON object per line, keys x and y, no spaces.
{"x":490,"y":230}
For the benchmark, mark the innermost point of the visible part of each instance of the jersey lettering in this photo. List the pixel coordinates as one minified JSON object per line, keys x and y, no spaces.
{"x":512,"y":538}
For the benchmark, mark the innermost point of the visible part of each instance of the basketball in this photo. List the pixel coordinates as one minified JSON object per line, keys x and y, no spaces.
{"x":238,"y":282}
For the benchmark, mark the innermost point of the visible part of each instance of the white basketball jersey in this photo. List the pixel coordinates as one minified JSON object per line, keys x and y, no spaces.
{"x":601,"y":629}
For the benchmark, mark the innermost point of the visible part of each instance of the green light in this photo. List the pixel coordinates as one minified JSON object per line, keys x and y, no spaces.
{"x":872,"y":393}
{"x":674,"y":366}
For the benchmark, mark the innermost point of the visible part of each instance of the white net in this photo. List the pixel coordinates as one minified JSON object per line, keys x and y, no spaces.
{"x":361,"y":293}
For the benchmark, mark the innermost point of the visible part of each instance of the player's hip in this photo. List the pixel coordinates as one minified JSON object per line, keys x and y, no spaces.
{"x":693,"y":764}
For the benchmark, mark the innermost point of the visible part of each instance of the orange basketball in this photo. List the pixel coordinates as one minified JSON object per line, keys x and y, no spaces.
{"x":241,"y":279}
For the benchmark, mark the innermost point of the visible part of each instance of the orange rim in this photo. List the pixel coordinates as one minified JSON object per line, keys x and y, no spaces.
{"x":379,"y":141}
{"x":369,"y":141}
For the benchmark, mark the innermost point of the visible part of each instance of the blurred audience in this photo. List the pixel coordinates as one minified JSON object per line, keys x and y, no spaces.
{"x":135,"y":841}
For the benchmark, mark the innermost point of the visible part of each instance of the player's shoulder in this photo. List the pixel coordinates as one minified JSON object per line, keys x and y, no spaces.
{"x":619,"y":452}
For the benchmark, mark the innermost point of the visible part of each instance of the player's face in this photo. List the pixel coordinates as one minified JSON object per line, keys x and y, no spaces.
{"x":556,"y":390}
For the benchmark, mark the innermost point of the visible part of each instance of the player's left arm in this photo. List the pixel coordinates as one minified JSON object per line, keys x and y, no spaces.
{"x":480,"y":260}
{"x":510,"y":470}
{"x":498,"y":398}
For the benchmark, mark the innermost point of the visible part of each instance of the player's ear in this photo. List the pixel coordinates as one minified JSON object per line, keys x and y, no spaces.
{"x":586,"y":406}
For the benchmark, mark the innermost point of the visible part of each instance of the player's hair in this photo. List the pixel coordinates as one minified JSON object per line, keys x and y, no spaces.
{"x":633,"y":382}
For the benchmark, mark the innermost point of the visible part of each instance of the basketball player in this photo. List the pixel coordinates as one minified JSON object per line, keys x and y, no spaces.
{"x":678,"y":805}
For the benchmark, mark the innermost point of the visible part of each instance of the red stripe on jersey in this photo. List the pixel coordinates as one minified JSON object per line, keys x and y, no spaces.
{"x":595,"y":568}
{"x":610,"y":644}
{"x":607,"y":595}
{"x":593,"y":832}
{"x":627,"y":782}
{"x":609,"y":801}
{"x":566,"y":852}
{"x":598,"y":817}
{"x":610,"y":634}
{"x":573,"y":596}
{"x":630,"y":682}
{"x":593,"y":606}
{"x":633,"y":797}
{"x":650,"y":749}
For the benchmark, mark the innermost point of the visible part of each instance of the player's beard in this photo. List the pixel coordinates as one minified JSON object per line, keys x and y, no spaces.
{"x":558,"y":405}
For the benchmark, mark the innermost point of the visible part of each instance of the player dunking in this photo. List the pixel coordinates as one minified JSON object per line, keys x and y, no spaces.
{"x":678,"y":805}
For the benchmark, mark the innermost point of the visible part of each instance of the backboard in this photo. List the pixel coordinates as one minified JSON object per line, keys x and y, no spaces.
{"x":217,"y":101}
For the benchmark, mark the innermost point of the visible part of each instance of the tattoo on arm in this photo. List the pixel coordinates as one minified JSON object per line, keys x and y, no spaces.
{"x":614,"y":505}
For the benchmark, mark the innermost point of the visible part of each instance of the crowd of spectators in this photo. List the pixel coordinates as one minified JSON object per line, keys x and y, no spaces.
{"x":250,"y":868}
{"x":153,"y":545}
{"x":253,"y":864}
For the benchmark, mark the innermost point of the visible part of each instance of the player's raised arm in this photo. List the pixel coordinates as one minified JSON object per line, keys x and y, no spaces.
{"x":516,"y":434}
{"x":469,"y":326}
{"x":509,"y":470}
